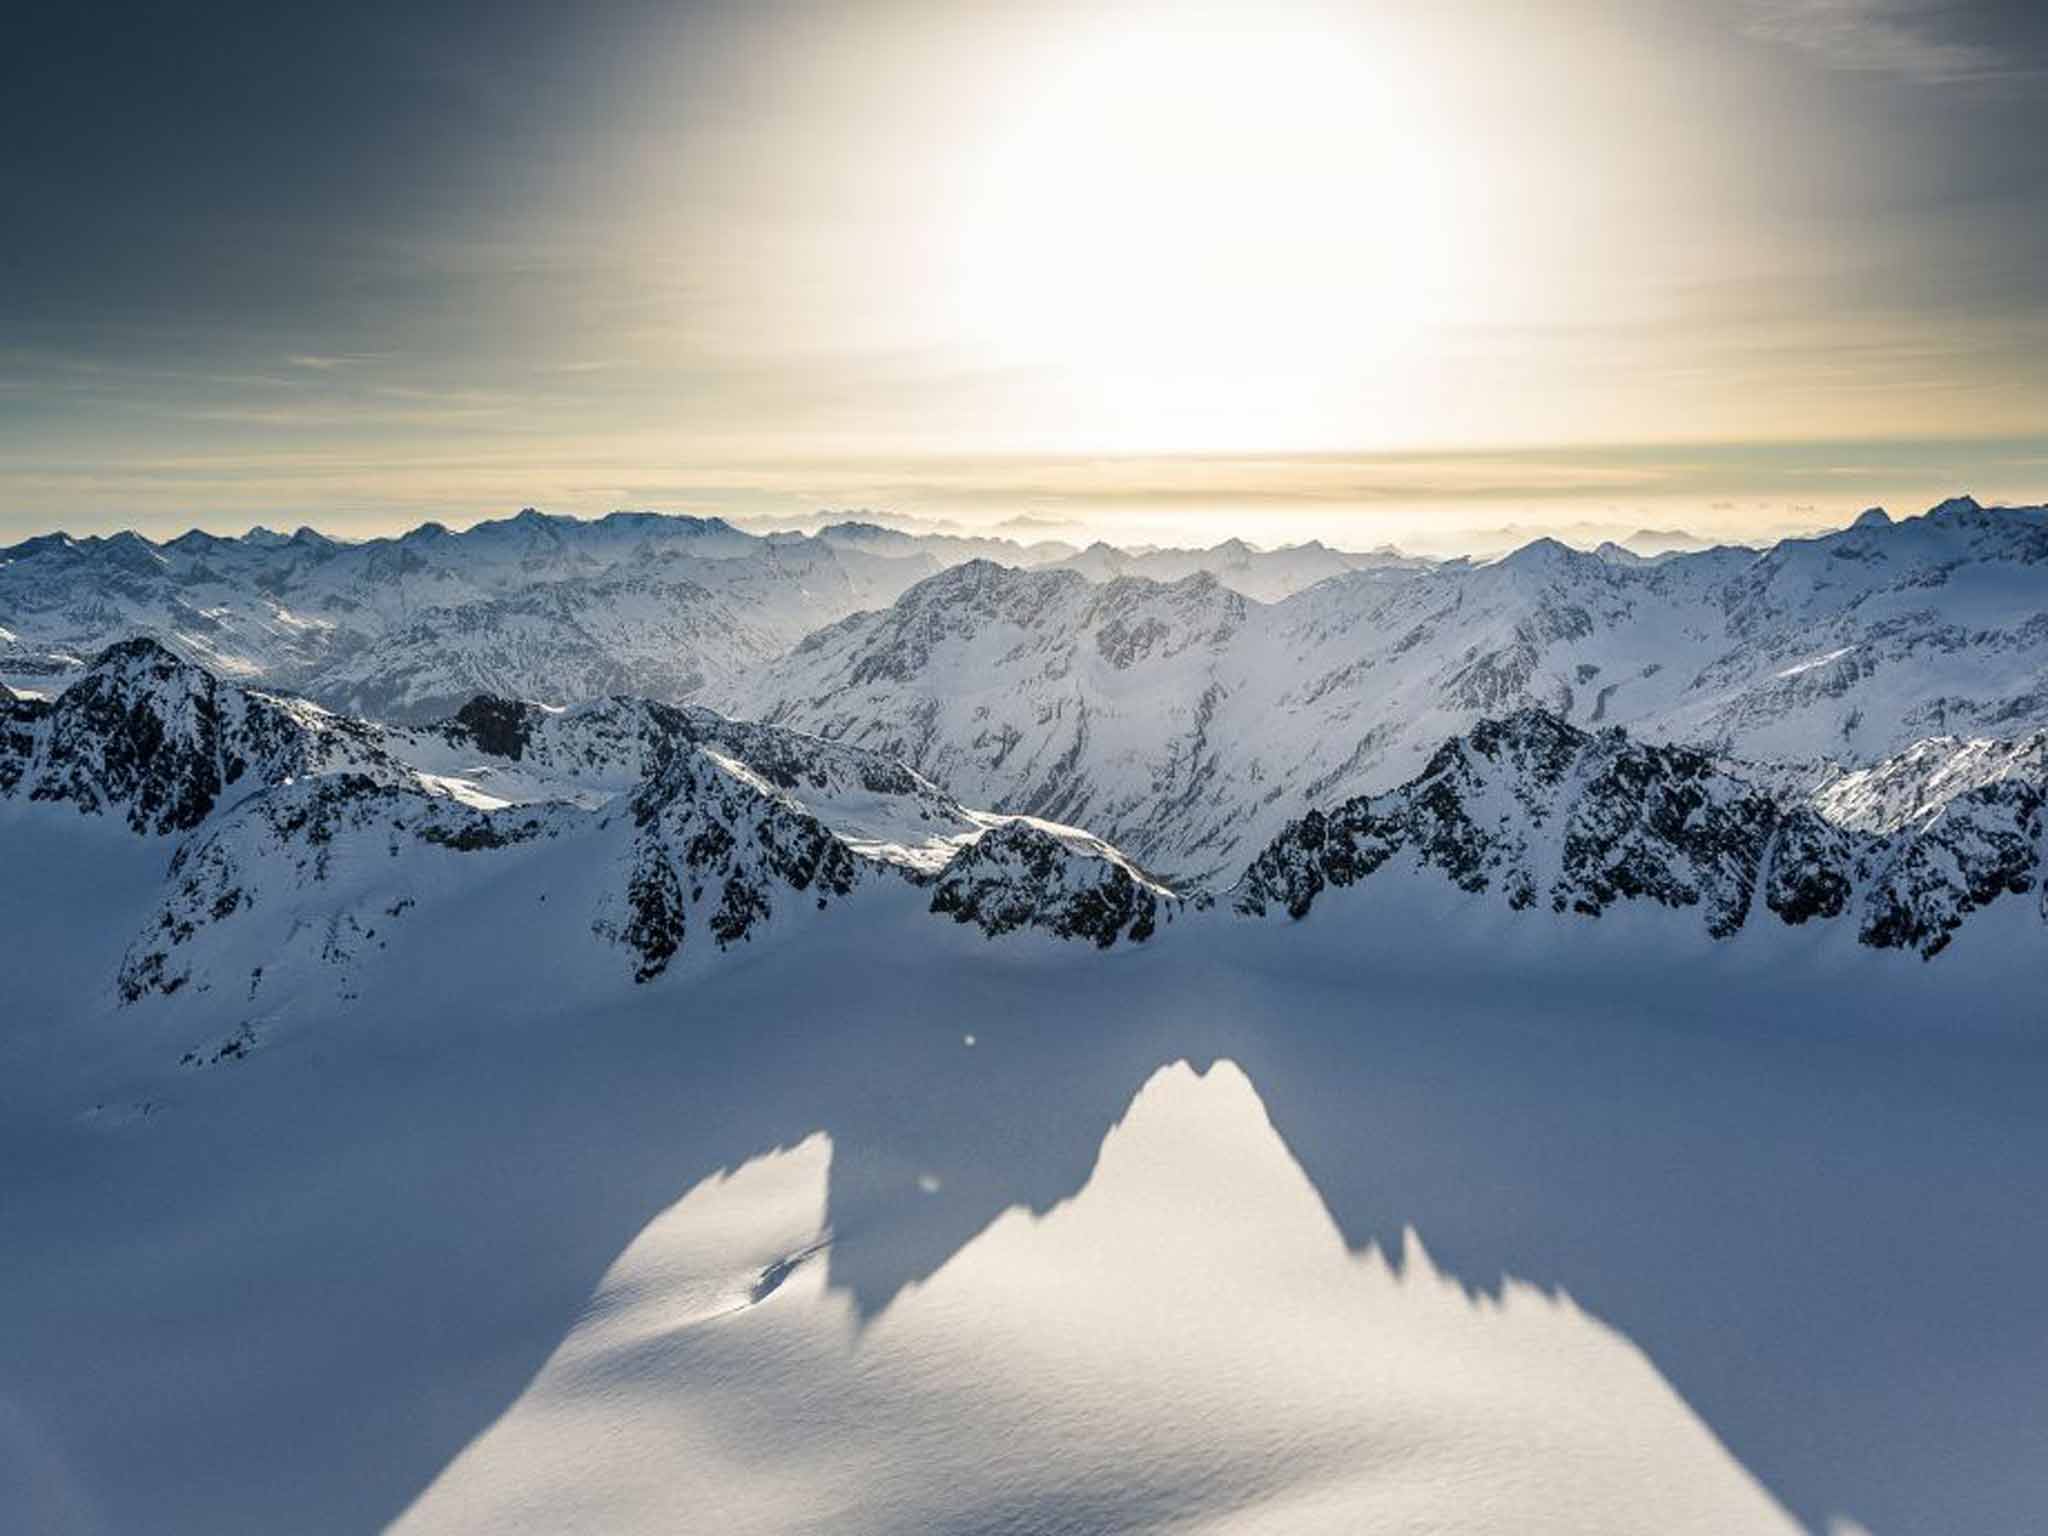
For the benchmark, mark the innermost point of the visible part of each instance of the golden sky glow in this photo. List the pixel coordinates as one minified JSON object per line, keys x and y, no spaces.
{"x":1276,"y":265}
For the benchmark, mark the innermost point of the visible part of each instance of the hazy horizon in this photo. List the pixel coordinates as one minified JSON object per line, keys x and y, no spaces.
{"x":1473,"y":538}
{"x":1295,"y":270}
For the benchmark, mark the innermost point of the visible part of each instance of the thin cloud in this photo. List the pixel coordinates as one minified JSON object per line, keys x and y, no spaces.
{"x":1903,"y":38}
{"x":324,"y":363}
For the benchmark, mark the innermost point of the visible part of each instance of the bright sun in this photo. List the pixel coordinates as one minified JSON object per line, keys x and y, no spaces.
{"x":1209,"y":228}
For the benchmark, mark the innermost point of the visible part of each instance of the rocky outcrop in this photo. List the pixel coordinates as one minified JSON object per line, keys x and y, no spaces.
{"x":1023,"y":874}
{"x":718,"y":850}
{"x":1536,"y":813}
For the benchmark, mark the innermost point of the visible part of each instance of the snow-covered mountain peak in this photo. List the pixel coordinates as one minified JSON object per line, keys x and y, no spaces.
{"x":1546,"y":556}
{"x":162,"y":741}
{"x":995,"y":586}
{"x":1955,"y":506}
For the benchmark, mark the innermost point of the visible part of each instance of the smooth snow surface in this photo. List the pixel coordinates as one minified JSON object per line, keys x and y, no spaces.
{"x":1186,"y":1339}
{"x":1365,"y":1223}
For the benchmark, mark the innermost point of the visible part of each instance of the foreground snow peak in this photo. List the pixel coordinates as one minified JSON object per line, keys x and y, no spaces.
{"x":1142,"y":1357}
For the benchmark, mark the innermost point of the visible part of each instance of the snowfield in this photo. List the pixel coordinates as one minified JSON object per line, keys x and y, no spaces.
{"x":605,"y":1114}
{"x":887,"y":1225}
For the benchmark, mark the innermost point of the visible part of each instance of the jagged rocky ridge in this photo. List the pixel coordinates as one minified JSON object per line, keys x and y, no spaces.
{"x":686,"y":831}
{"x":1538,"y":814}
{"x":305,"y":842}
{"x":512,"y":750}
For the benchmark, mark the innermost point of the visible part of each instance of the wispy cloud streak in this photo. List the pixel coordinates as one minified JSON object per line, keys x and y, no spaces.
{"x":1910,"y":39}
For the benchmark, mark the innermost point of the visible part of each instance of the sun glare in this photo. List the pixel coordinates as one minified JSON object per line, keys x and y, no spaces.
{"x":1210,"y":227}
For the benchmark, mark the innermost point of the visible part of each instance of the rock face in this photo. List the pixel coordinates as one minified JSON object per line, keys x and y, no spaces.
{"x":1924,"y":881}
{"x":1539,"y":814}
{"x":1024,"y":874}
{"x":718,"y":849}
{"x":494,"y":726}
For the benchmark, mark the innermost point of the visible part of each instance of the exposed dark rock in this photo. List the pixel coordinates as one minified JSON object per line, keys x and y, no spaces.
{"x":1636,"y":822}
{"x":498,"y":726}
{"x":1019,"y":875}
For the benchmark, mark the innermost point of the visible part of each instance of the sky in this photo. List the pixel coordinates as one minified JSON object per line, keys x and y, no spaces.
{"x":1283,"y":269}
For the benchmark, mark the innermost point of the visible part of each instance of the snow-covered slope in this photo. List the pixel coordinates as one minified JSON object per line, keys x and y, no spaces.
{"x":1104,"y":706}
{"x":1916,"y":785}
{"x":1189,"y":723}
{"x":1372,"y":1222}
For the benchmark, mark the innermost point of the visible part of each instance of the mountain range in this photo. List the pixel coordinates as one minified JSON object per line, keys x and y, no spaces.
{"x":1189,"y":722}
{"x":549,"y":608}
{"x":1842,"y":730}
{"x":648,"y":836}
